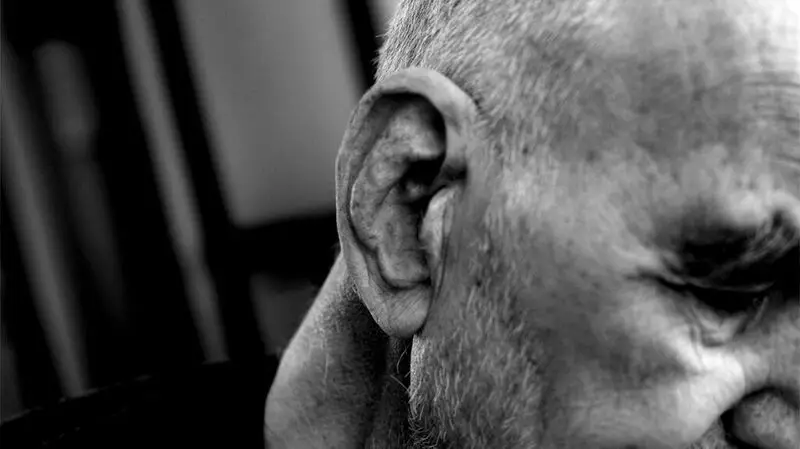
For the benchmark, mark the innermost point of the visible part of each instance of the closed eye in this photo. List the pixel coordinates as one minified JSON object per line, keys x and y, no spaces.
{"x":727,"y":301}
{"x":736,"y":272}
{"x":721,"y":314}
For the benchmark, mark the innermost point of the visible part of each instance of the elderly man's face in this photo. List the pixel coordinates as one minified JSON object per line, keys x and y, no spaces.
{"x":643,"y":293}
{"x":603,"y":254}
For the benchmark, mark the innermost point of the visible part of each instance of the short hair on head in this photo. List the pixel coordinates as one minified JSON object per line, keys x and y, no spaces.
{"x":570,"y":77}
{"x":513,"y":57}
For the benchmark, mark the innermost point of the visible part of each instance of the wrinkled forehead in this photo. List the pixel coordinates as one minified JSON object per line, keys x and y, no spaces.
{"x":705,"y":41}
{"x":681,"y":74}
{"x":694,"y":73}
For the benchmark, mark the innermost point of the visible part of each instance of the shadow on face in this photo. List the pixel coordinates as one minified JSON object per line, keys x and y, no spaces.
{"x":589,"y":245}
{"x":622,"y":268}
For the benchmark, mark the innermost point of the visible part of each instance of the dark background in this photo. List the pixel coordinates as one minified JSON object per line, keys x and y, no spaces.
{"x":144,"y":372}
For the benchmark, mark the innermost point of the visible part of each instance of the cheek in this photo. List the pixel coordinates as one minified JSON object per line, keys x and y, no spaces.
{"x":634,"y":374}
{"x":439,"y":381}
{"x":477,"y":376}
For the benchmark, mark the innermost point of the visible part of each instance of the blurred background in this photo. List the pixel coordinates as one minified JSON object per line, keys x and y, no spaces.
{"x":167,"y":175}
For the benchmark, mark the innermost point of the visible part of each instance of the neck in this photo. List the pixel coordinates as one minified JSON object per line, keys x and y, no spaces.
{"x":342,"y":381}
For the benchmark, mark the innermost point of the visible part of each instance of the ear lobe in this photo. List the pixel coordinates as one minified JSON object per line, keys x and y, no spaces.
{"x":406,"y":143}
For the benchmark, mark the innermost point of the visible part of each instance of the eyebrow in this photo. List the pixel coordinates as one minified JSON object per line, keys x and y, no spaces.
{"x":740,"y":260}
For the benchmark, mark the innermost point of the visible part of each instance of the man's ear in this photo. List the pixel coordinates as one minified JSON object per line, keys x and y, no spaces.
{"x":397,"y":173}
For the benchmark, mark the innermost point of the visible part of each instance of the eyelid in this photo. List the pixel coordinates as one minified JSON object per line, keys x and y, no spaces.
{"x":726,"y":303}
{"x":705,"y":284}
{"x":738,"y":299}
{"x":737,"y":260}
{"x":716,"y":325}
{"x":702,"y":286}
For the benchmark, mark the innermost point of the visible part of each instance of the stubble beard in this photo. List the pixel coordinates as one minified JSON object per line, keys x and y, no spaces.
{"x":482,"y":388}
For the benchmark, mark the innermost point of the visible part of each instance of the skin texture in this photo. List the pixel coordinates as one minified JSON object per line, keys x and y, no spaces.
{"x":563,"y":225}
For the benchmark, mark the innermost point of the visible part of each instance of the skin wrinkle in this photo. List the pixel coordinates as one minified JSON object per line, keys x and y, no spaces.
{"x":606,"y":131}
{"x":702,"y":95}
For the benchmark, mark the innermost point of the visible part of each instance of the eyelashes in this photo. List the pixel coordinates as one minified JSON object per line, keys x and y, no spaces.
{"x":735,"y":272}
{"x":741,"y":260}
{"x":721,"y":313}
{"x":729,"y":302}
